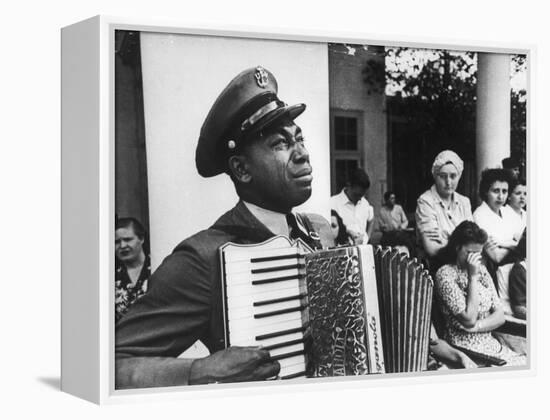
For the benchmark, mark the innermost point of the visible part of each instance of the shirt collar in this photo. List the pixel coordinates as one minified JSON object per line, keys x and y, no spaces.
{"x":454,"y":198}
{"x":274,"y":221}
{"x":345,"y":199}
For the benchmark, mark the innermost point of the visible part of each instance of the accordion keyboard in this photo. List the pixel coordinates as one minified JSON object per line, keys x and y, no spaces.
{"x":265,"y":299}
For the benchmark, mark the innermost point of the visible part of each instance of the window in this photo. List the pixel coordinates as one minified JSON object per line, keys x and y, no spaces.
{"x":346,"y":146}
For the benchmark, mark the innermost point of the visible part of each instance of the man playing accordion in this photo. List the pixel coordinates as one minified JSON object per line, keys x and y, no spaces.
{"x":250,"y":135}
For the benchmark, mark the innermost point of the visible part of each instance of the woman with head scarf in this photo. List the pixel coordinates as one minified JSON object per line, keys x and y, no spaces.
{"x":441,"y":209}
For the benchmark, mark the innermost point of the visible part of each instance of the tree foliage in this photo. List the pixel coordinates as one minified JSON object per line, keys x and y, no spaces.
{"x":431,"y":105}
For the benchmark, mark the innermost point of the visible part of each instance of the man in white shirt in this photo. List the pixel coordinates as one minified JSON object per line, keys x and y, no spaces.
{"x":353,"y":207}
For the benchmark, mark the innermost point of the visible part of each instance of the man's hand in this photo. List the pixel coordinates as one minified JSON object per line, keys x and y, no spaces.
{"x":235,"y":364}
{"x":357,"y":237}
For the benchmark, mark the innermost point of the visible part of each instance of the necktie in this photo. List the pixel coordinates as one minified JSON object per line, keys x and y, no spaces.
{"x":295,"y":231}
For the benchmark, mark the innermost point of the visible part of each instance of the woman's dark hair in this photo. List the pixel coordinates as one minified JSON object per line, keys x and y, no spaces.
{"x":489,"y":177}
{"x":126,"y":222}
{"x":514,"y":183}
{"x":387,"y":195}
{"x":465,"y":233}
{"x":343,"y":237}
{"x":139,"y":230}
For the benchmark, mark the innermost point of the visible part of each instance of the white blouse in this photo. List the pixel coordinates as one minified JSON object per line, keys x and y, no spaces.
{"x":502,"y":228}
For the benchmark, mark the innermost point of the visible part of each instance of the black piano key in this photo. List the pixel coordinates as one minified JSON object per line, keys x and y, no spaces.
{"x":294,"y":375}
{"x":276,"y":279}
{"x":275,"y":258}
{"x":279,"y":312}
{"x":279,"y":300}
{"x":279,"y":333}
{"x":283,"y":344}
{"x":287,"y":355}
{"x":276,"y":268}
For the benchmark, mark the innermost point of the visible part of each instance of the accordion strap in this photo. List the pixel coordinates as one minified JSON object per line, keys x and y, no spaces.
{"x":314,"y":238}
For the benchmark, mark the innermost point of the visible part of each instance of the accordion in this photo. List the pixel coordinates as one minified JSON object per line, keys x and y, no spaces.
{"x":344,"y":311}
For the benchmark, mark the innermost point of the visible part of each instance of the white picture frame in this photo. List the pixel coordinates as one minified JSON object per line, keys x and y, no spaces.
{"x":88,"y":208}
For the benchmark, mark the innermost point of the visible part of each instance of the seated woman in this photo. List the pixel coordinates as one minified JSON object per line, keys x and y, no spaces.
{"x":440,"y":209}
{"x":132,"y":264}
{"x":517,"y":287}
{"x":497,"y":220}
{"x":339,"y":231}
{"x":517,"y":201}
{"x":468,"y":300}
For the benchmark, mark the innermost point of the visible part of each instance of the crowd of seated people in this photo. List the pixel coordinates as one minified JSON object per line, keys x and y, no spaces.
{"x":470,"y":255}
{"x":466,"y":252}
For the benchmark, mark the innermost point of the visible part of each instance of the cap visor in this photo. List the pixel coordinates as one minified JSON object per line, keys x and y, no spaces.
{"x":292,"y":111}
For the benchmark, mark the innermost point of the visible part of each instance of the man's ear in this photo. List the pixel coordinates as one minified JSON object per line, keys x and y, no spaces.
{"x":239,"y":168}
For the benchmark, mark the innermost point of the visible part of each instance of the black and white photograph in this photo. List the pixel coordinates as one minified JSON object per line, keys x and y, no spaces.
{"x":274,"y":210}
{"x":304,"y":210}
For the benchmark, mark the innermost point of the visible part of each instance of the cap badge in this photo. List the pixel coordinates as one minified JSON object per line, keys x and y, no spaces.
{"x":231,"y":144}
{"x":261,"y":77}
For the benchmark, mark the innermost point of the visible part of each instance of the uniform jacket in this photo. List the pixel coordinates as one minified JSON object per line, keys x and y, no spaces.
{"x":184,"y":302}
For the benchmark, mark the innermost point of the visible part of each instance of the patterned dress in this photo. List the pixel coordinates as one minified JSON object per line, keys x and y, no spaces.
{"x":126,"y":293}
{"x":451,"y":287}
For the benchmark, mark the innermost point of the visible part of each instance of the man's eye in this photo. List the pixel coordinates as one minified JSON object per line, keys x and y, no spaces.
{"x":279,"y":142}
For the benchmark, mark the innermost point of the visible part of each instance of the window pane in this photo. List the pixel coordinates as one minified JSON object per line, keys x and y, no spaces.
{"x":345,"y":133}
{"x":343,"y":171}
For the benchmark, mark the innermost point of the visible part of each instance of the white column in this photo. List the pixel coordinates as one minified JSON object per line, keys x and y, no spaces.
{"x":493,"y":110}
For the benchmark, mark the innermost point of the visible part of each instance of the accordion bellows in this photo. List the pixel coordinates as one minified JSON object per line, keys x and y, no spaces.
{"x":343,"y":311}
{"x":405,"y":291}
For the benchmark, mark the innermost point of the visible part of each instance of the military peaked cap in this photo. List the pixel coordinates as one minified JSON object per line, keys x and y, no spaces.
{"x":247,"y":105}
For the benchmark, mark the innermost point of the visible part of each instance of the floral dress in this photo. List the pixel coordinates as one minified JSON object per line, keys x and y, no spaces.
{"x":126,"y":293}
{"x":451,"y":287}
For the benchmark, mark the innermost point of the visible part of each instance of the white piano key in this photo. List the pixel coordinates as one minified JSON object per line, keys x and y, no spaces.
{"x":292,"y":370}
{"x":249,"y":289}
{"x":246,"y":319}
{"x":247,"y":277}
{"x":246,"y":254}
{"x":249,"y":300}
{"x":248,"y":311}
{"x":247,"y":267}
{"x":292,"y":365}
{"x":293,"y":361}
{"x":239,"y":332}
{"x":287,"y":349}
{"x":250,"y":340}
